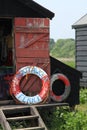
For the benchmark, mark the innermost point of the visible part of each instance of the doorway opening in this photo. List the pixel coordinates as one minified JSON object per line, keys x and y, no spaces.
{"x":6,"y":56}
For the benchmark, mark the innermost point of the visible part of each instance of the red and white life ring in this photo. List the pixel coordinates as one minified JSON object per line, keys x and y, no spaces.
{"x":64,"y":79}
{"x":15,"y":86}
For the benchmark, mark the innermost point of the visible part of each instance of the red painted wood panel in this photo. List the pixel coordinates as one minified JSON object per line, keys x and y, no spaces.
{"x":32,"y":36}
{"x":32,"y":48}
{"x":44,"y":63}
{"x":34,"y":22}
{"x":32,"y":82}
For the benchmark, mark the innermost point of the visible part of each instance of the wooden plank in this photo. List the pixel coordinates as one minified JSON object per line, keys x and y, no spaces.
{"x":81,"y":33}
{"x":81,"y":29}
{"x":81,"y":48}
{"x":33,"y":60}
{"x":52,"y":105}
{"x":16,"y":107}
{"x":29,"y":42}
{"x":84,"y":74}
{"x":83,"y":80}
{"x":6,"y":102}
{"x":81,"y":38}
{"x":4,"y":122}
{"x":81,"y":58}
{"x":81,"y":53}
{"x":40,"y":121}
{"x":32,"y":53}
{"x":32,"y":128}
{"x":22,"y":118}
{"x":32,"y":22}
{"x":81,"y":43}
{"x":83,"y":84}
{"x":32,"y":42}
{"x":82,"y":68}
{"x":81,"y":63}
{"x":16,"y":112}
{"x":23,"y":29}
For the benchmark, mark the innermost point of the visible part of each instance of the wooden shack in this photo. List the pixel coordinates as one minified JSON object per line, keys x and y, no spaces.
{"x":24,"y":37}
{"x":24,"y":40}
{"x":81,"y":48}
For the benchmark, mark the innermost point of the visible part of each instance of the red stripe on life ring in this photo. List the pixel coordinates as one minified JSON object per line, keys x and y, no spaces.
{"x":45,"y":90}
{"x":55,"y":97}
{"x":15,"y":86}
{"x":64,"y":79}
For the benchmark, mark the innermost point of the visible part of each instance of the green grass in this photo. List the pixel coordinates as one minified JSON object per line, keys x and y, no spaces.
{"x":68,"y":61}
{"x":82,"y":107}
{"x":83,"y":100}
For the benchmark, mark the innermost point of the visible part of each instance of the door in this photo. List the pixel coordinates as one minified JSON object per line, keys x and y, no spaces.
{"x":32,"y":48}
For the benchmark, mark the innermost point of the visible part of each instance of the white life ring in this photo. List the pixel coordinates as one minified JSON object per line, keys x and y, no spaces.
{"x":15,"y":87}
{"x":64,"y":79}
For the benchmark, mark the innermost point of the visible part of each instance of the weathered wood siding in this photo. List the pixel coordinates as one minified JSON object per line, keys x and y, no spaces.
{"x":81,"y":54}
{"x":32,"y":49}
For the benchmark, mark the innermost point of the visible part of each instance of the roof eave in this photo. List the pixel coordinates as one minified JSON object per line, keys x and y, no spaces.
{"x":79,"y":26}
{"x":36,"y":7}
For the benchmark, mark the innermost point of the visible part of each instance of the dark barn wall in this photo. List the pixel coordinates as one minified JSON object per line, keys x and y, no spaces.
{"x":81,"y":53}
{"x":72,"y":74}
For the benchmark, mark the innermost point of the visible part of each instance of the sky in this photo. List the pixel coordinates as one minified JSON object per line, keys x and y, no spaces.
{"x":67,"y":12}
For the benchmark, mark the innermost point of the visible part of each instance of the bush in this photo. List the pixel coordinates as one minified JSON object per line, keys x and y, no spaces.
{"x":83,"y":96}
{"x":63,"y":119}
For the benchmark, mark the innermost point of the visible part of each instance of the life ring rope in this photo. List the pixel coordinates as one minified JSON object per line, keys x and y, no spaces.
{"x":15,"y":86}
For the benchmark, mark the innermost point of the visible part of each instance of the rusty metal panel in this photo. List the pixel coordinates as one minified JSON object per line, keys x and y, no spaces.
{"x":32,"y":48}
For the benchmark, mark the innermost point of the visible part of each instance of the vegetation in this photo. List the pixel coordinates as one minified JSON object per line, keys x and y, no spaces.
{"x":64,"y":119}
{"x":68,"y":61}
{"x":63,"y":48}
{"x":83,"y":96}
{"x":52,"y":43}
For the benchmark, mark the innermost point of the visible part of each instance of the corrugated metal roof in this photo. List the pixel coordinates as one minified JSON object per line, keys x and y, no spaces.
{"x":81,"y":22}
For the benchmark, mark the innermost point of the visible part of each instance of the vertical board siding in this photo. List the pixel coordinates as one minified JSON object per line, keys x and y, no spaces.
{"x":81,"y":54}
